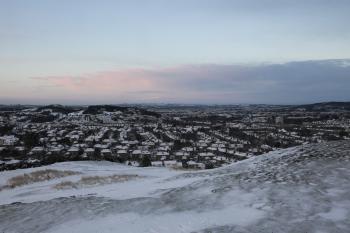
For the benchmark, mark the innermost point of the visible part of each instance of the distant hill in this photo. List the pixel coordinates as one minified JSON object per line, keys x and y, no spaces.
{"x":326,"y":106}
{"x":97,"y":109}
{"x":11,"y":108}
{"x":59,"y":108}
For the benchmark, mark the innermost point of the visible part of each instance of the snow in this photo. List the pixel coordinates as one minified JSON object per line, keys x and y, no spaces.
{"x":186,"y":221}
{"x":12,"y":161}
{"x":336,"y":214}
{"x":149,"y":180}
{"x":301,"y":189}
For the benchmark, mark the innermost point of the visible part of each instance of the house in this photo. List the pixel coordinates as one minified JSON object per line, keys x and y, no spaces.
{"x":38,"y":150}
{"x":122,"y":153}
{"x":73,"y":151}
{"x":146,"y":153}
{"x":8,"y":140}
{"x":160,"y":154}
{"x":205,"y":156}
{"x":90,"y":152}
{"x":55,"y":150}
{"x":171,"y":163}
{"x":136,"y":154}
{"x":195,"y":165}
{"x":106,"y":153}
{"x":180,"y":154}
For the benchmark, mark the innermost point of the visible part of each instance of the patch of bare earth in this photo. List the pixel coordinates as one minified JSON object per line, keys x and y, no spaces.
{"x":36,"y":176}
{"x":95,"y":180}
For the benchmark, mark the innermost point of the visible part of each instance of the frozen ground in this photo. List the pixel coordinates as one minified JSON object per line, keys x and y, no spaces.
{"x":301,"y":189}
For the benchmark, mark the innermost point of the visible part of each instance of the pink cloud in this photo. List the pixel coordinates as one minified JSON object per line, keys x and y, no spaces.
{"x":124,"y":80}
{"x":123,"y":85}
{"x":170,"y":84}
{"x":274,"y":83}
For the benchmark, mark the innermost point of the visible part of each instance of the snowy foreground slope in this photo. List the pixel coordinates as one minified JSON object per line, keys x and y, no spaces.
{"x":301,"y":189}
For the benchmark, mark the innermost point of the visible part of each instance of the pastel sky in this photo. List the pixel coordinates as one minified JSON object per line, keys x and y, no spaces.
{"x":174,"y":51}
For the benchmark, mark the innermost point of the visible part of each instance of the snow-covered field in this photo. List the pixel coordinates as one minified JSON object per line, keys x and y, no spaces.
{"x":301,"y":189}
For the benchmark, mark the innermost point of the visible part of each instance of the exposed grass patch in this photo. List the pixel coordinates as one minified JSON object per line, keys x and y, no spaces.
{"x":95,"y":180}
{"x":36,"y":176}
{"x":66,"y":185}
{"x":185,"y":169}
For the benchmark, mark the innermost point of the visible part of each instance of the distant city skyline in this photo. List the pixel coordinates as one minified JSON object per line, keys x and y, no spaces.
{"x":191,"y":52}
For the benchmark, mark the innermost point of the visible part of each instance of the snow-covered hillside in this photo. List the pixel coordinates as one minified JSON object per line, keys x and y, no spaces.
{"x":301,"y":189}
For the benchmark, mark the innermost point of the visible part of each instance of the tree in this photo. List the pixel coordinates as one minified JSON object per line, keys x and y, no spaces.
{"x":190,"y":136}
{"x":209,"y":165}
{"x":145,"y":162}
{"x":6,"y":129}
{"x":31,"y":140}
{"x":343,"y":133}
